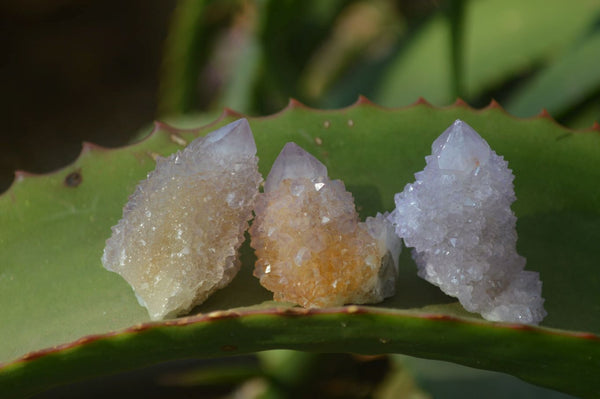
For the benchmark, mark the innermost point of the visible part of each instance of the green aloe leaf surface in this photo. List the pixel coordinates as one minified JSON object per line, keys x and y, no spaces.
{"x":63,"y":317}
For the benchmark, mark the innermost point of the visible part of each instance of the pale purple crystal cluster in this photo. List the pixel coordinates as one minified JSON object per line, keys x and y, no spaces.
{"x":457,"y":218}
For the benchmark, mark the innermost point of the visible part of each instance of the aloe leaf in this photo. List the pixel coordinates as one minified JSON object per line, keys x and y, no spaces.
{"x":564,"y":83}
{"x":501,"y":38}
{"x":54,"y":290}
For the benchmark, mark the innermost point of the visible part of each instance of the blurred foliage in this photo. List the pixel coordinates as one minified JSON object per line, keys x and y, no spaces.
{"x":252,"y":56}
{"x":79,"y":71}
{"x":284,"y":374}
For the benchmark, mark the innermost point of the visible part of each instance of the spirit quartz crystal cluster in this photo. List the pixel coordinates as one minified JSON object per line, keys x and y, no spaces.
{"x":311,"y":248}
{"x":181,"y":229}
{"x":457,"y":217}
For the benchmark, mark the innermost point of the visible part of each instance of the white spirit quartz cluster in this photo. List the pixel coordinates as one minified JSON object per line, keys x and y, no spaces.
{"x":457,"y":217}
{"x":181,"y":230}
{"x":311,"y":248}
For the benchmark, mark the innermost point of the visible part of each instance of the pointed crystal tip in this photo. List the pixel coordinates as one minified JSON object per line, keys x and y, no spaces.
{"x":292,"y":163}
{"x":460,"y":148}
{"x":232,"y":139}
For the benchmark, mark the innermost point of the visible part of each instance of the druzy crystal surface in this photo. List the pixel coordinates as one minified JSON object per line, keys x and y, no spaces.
{"x":311,"y":248}
{"x":457,"y":218}
{"x":181,"y":229}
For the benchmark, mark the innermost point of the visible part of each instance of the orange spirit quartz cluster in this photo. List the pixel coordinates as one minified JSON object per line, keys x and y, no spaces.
{"x":311,"y":248}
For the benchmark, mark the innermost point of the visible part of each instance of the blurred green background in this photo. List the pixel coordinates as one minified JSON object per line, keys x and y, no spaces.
{"x":102,"y":71}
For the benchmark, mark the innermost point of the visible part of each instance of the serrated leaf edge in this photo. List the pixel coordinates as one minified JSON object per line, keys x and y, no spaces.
{"x":162,"y":128}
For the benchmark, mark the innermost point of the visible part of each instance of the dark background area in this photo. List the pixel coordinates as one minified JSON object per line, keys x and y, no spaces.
{"x":75,"y":71}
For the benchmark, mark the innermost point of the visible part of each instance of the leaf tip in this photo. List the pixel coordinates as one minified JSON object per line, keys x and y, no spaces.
{"x":158,"y":125}
{"x":362,"y":100}
{"x":494,"y":105}
{"x":460,"y":103}
{"x":293,"y":103}
{"x":545,"y":115}
{"x":422,"y":101}
{"x":20,"y":175}
{"x":87,"y":146}
{"x":228,"y":112}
